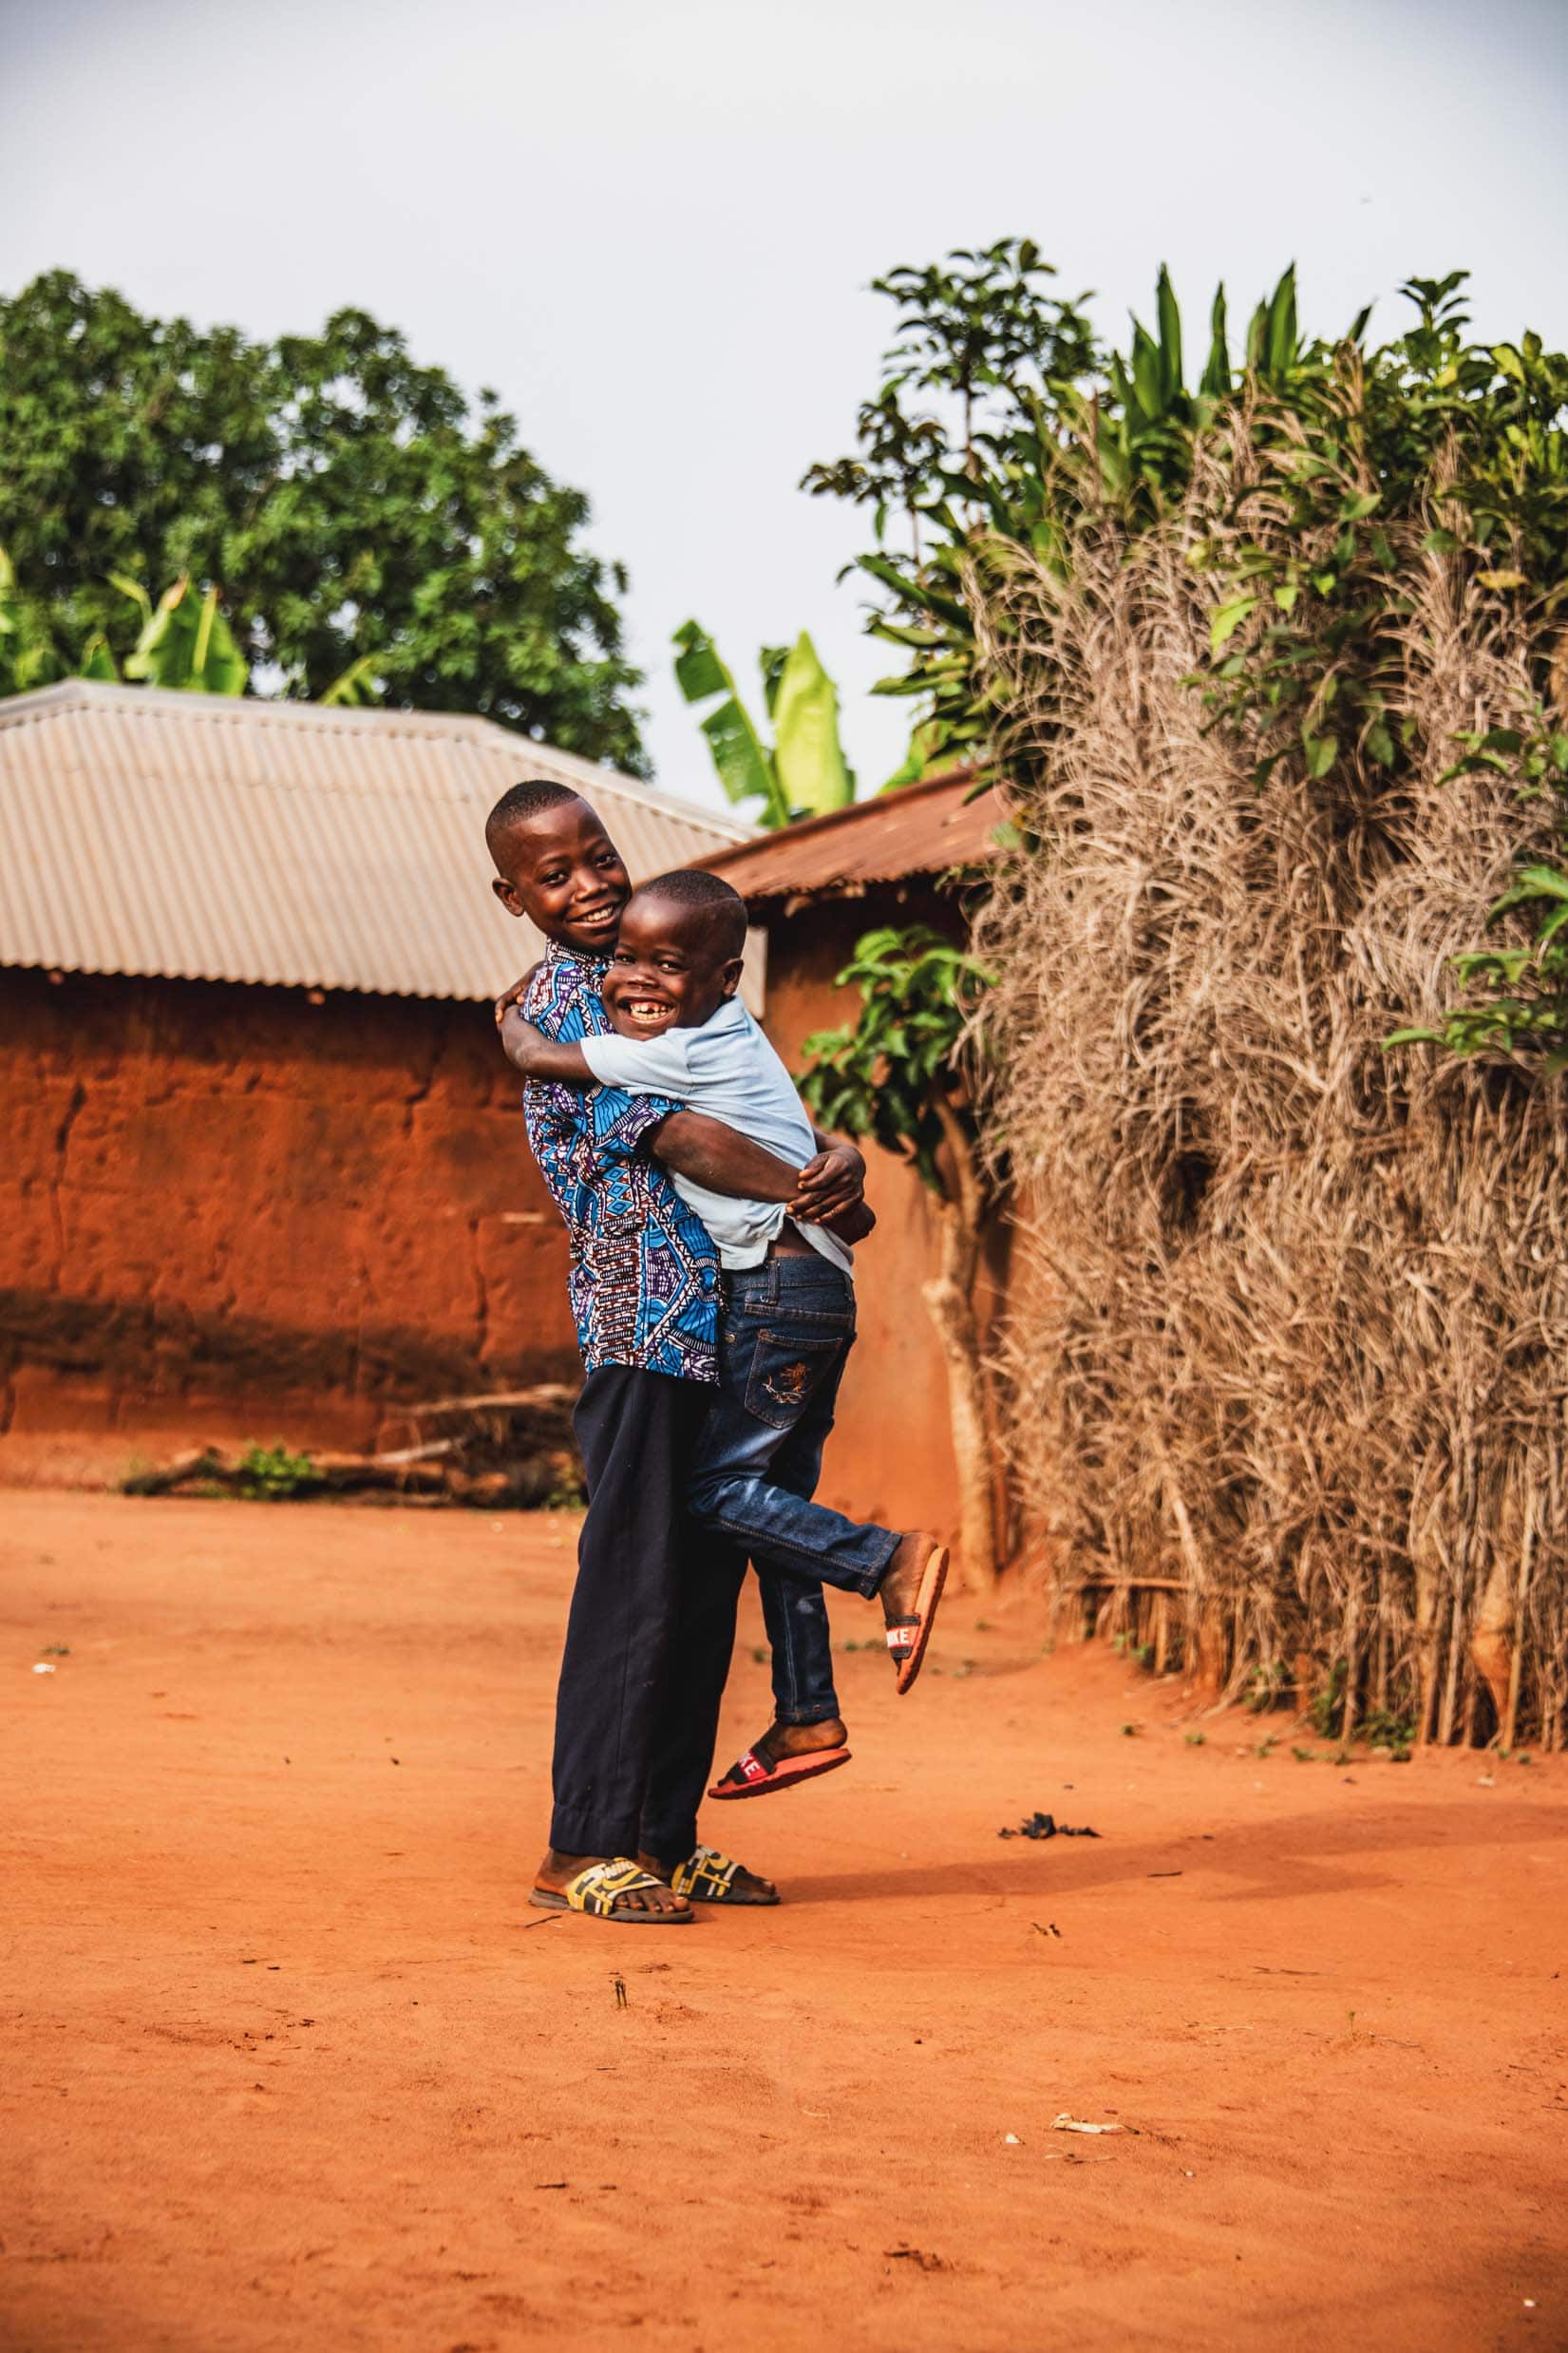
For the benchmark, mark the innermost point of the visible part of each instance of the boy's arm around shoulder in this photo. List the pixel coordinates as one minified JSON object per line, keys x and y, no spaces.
{"x":831,"y":1186}
{"x":553,"y":1060}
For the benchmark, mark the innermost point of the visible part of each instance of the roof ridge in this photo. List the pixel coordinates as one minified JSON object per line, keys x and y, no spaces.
{"x":815,"y":827}
{"x":138,"y":702}
{"x":943,"y":823}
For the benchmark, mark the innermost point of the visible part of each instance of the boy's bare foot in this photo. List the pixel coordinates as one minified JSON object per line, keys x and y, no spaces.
{"x":747,"y":1886}
{"x":558,"y":1870}
{"x":786,"y":1758}
{"x":800,"y":1739}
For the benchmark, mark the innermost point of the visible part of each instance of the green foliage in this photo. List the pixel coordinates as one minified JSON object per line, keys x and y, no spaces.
{"x":271,"y":1474}
{"x":1001,"y":423}
{"x":999,"y":417}
{"x":1266,"y":1688}
{"x":366,"y":523}
{"x":1392,"y":1728}
{"x":1524,"y":1010}
{"x":185,"y":642}
{"x":805,"y":773}
{"x":1327,"y":1707}
{"x":1362,"y":449}
{"x":885,"y":1074}
{"x":957,"y":442}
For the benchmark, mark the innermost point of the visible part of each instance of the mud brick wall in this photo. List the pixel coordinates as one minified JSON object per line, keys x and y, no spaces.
{"x":234,"y":1211}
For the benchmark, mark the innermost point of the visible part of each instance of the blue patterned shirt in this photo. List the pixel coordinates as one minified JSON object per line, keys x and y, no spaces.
{"x":644,"y":1283}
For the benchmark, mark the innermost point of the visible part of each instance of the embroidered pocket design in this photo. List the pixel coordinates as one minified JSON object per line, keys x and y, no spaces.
{"x":788,"y":1385}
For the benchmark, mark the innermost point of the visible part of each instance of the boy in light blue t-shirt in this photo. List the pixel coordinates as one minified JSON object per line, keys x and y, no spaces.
{"x":789,"y":1320}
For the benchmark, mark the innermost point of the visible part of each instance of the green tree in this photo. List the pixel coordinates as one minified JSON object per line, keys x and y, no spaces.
{"x":895,"y":1073}
{"x":999,"y":416}
{"x":353,"y":507}
{"x":804,"y":773}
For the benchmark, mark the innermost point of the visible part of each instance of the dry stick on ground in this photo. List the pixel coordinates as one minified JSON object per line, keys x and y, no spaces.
{"x":1317,"y":1293}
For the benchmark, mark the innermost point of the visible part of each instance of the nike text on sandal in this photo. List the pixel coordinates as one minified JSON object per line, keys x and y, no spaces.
{"x":755,"y":1776}
{"x":599,"y":1892}
{"x":907,"y":1636}
{"x":708,"y":1877}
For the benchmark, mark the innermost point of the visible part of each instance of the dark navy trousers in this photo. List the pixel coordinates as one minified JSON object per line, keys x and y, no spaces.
{"x":651,"y":1629}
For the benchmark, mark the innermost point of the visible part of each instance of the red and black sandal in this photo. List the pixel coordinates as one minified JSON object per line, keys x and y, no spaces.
{"x":907,"y":1638}
{"x":754,"y":1776}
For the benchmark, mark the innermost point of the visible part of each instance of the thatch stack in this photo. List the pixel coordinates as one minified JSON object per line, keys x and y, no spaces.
{"x":1289,"y":1371}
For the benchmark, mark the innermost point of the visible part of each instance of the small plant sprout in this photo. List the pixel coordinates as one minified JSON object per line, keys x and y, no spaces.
{"x":271,"y":1474}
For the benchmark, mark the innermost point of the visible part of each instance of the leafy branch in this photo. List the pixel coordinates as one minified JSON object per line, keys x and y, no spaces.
{"x":1525,"y":1009}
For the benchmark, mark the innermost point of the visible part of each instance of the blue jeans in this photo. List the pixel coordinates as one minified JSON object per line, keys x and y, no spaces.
{"x":787,"y":1330}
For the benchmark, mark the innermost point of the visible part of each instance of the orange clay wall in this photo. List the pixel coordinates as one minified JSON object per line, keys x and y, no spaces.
{"x":229,"y":1212}
{"x":889,"y":1457}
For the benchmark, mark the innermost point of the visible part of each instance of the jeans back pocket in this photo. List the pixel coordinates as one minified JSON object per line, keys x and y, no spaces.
{"x":787,"y":1369}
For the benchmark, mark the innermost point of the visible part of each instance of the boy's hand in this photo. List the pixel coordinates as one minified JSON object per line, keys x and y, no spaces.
{"x":515,"y":995}
{"x":549,"y":1060}
{"x":829,"y":1184}
{"x":851,"y":1225}
{"x":520,"y":1042}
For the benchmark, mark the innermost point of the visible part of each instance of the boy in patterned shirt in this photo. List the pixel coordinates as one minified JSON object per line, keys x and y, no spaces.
{"x":652,"y":1621}
{"x":681,"y":1033}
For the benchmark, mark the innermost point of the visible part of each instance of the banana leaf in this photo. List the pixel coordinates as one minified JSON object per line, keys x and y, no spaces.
{"x":96,"y":659}
{"x":357,"y":684}
{"x":809,"y":760}
{"x":745,"y":769}
{"x":187,"y":644}
{"x":1170,"y":338}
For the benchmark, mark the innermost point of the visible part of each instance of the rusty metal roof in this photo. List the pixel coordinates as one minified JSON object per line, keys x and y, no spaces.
{"x":202,"y":838}
{"x":923,"y":828}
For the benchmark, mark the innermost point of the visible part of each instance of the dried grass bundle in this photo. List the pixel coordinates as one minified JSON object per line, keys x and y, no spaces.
{"x":1288,"y":1367}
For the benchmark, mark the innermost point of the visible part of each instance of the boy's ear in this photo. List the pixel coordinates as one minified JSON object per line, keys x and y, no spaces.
{"x":508,"y":893}
{"x":731,"y":976}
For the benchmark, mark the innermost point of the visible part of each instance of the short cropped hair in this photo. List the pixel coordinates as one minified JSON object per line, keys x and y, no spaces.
{"x":719,"y":901}
{"x":521,"y":801}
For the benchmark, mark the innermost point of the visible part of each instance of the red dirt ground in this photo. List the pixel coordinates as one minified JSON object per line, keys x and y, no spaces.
{"x":1325,"y":2003}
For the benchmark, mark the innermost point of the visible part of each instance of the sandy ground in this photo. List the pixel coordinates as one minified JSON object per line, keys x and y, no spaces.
{"x":1326,"y":2004}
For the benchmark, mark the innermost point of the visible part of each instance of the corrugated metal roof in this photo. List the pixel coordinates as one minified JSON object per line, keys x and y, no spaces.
{"x":201,"y":837}
{"x":922,"y":828}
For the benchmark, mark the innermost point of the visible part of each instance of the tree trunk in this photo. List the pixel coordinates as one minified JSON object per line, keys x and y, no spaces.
{"x":1427,"y":1567}
{"x":949,"y":1298}
{"x":1491,"y":1637}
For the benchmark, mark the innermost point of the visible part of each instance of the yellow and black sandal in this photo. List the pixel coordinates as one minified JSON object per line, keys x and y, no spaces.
{"x":708,"y":1877}
{"x":598,"y":1891}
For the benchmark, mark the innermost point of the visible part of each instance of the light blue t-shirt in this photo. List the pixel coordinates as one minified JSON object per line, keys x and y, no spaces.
{"x":729,"y":1069}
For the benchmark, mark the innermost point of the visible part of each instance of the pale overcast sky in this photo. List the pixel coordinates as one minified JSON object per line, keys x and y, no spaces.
{"x":652,"y":227}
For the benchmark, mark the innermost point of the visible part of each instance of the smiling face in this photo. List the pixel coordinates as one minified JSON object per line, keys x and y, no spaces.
{"x":561,"y":870}
{"x":670,"y":970}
